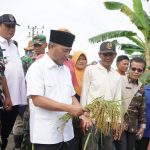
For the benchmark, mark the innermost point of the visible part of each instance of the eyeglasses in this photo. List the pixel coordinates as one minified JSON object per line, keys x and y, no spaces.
{"x":10,"y":25}
{"x":137,"y":69}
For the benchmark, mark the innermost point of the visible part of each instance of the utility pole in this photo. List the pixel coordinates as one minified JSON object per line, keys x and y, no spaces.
{"x":35,"y":31}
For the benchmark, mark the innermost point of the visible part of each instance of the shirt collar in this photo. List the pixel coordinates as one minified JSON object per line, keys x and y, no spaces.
{"x":50,"y":63}
{"x":2,"y":40}
{"x":132,"y":81}
{"x":103,"y":68}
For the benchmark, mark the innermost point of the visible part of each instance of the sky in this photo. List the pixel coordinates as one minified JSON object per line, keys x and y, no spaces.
{"x":84,"y":18}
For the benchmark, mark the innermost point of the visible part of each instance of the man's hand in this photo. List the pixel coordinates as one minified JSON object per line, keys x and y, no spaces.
{"x":7,"y":104}
{"x":76,"y":110}
{"x":85,"y":123}
{"x":118,"y":132}
{"x":140,"y":132}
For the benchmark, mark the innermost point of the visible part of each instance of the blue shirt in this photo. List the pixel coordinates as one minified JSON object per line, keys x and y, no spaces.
{"x":147,"y":95}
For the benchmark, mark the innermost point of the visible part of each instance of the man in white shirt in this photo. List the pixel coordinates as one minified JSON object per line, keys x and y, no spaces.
{"x":14,"y":74}
{"x":101,"y":80}
{"x":51,"y":94}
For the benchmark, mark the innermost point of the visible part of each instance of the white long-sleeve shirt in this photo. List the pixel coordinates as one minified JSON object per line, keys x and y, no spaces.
{"x":14,"y":72}
{"x":98,"y":82}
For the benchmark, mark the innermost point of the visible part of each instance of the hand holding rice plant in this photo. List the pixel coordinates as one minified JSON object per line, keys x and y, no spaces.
{"x":108,"y":115}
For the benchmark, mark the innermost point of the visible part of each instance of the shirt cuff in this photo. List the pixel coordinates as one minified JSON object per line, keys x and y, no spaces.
{"x":143,"y":126}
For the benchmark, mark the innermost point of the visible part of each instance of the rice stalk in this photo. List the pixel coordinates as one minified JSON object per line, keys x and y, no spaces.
{"x":108,"y":115}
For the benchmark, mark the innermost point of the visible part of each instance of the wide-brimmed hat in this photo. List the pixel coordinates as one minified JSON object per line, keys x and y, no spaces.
{"x":30,"y":46}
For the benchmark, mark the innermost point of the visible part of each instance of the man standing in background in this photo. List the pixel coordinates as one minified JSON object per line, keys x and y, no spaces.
{"x":14,"y":75}
{"x":101,"y":80}
{"x":38,"y":45}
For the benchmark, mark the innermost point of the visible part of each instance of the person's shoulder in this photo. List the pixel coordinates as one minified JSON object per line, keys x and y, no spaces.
{"x":66,"y":69}
{"x":116,"y":73}
{"x":91,"y":67}
{"x":124,"y":77}
{"x":124,"y":80}
{"x":37,"y":65}
{"x":116,"y":76}
{"x":147,"y":87}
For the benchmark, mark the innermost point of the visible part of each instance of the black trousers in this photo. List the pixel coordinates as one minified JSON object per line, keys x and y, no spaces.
{"x":7,"y":121}
{"x":127,"y":141}
{"x":78,"y":138}
{"x":69,"y":145}
{"x":142,"y":144}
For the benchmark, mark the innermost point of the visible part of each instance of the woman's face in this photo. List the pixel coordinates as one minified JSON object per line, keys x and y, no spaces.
{"x":81,"y":62}
{"x":123,"y":65}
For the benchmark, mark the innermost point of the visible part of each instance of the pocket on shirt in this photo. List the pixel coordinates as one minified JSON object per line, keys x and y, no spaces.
{"x":59,"y":91}
{"x":50,"y":89}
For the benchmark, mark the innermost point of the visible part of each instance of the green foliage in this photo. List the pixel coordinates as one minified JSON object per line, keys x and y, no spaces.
{"x":140,"y":13}
{"x":126,"y":10}
{"x":145,"y":78}
{"x":66,"y":117}
{"x":134,"y":19}
{"x":131,"y":48}
{"x":87,"y":140}
{"x":110,"y":35}
{"x":139,"y":43}
{"x":113,"y":5}
{"x":140,"y":19}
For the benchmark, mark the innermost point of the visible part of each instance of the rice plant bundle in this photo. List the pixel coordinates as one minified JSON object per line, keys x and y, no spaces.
{"x":108,"y":115}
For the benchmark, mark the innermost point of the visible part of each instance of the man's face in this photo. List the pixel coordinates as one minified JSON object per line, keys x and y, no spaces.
{"x":7,"y":31}
{"x":107,"y":59}
{"x":123,"y":65}
{"x":136,"y":70}
{"x":60,"y":53}
{"x":39,"y":49}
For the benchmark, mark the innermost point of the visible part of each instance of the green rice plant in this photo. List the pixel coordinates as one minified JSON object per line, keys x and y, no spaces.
{"x":86,"y":142}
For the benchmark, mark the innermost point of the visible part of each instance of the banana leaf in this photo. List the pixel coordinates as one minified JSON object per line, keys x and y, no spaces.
{"x":127,"y":11}
{"x":110,"y":35}
{"x":130,"y":48}
{"x":136,"y":41}
{"x":113,"y":5}
{"x":145,"y":78}
{"x":141,"y":14}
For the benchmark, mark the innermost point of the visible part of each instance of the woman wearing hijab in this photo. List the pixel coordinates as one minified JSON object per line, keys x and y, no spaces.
{"x":79,"y":60}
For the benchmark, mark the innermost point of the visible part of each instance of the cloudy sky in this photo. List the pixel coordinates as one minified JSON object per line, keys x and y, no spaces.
{"x":85,"y":18}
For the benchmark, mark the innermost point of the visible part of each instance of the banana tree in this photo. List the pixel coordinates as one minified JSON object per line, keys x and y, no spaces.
{"x":140,"y":19}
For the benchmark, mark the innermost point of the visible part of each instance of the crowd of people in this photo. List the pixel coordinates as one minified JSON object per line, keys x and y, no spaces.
{"x":40,"y":87}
